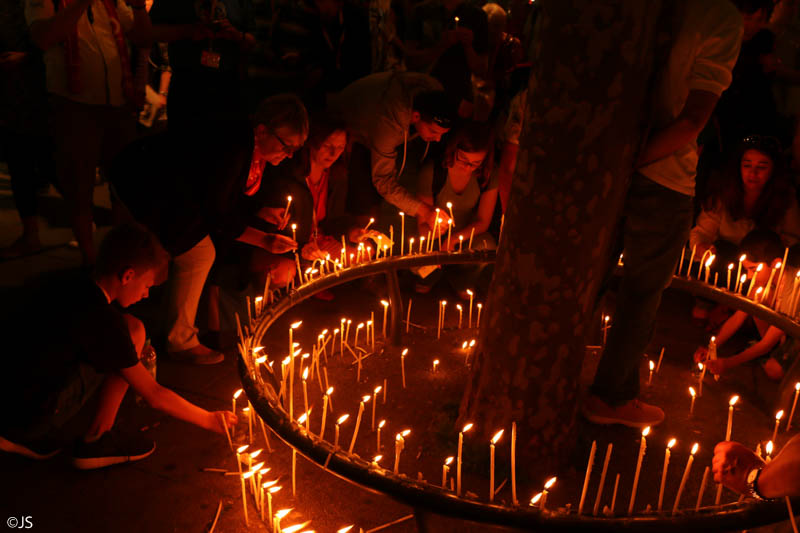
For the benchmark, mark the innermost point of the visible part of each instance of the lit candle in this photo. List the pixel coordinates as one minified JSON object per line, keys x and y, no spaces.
{"x":587,"y":476}
{"x":380,"y":426}
{"x":364,"y":399}
{"x":403,"y":366}
{"x":652,"y":367}
{"x":680,"y":263}
{"x":408,"y":315}
{"x":458,"y":306}
{"x":741,"y":283}
{"x":660,"y":358}
{"x":435,"y":364}
{"x":536,"y":498}
{"x":602,"y":479}
{"x":729,"y":427}
{"x":794,"y":406}
{"x":478,"y":322}
{"x":469,"y":315}
{"x":445,"y":470}
{"x":702,"y":489}
{"x":730,"y":269}
{"x":294,"y":232}
{"x":759,"y":294}
{"x":399,"y":444}
{"x":471,"y":234}
{"x":708,"y":265}
{"x":514,"y":463}
{"x":548,"y":484}
{"x":684,"y":478}
{"x":752,"y":286}
{"x":702,"y":368}
{"x":778,"y":417}
{"x":293,"y":327}
{"x":458,"y":457}
{"x":642,"y":448}
{"x":246,"y":412}
{"x":422,"y":244}
{"x":305,"y":399}
{"x":411,"y":245}
{"x":605,"y":328}
{"x":355,"y":340}
{"x":325,"y":399}
{"x":276,"y":528}
{"x":270,"y":492}
{"x":376,"y":460}
{"x":341,"y":420}
{"x":693,"y":394}
{"x":460,"y":243}
{"x":385,"y":305}
{"x":374,"y":403}
{"x":243,"y":477}
{"x":259,"y":301}
{"x":670,"y":444}
{"x":371,"y":221}
{"x":780,"y":274}
{"x":768,"y":449}
{"x":286,"y":212}
{"x":402,"y":231}
{"x":739,"y":279}
{"x":495,"y":439}
{"x":769,"y":281}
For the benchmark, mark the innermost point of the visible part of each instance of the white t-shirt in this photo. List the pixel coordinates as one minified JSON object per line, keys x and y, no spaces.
{"x":702,"y":57}
{"x":100,"y":66}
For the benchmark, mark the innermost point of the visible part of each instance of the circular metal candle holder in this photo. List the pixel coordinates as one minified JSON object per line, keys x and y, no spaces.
{"x":262,"y":391}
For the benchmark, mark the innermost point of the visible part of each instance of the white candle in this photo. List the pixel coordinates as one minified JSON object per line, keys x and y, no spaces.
{"x":458,"y":306}
{"x":660,"y":358}
{"x":587,"y":476}
{"x":460,"y":243}
{"x":730,"y":269}
{"x":794,"y":406}
{"x":458,"y":457}
{"x":642,"y":448}
{"x":605,"y":328}
{"x":375,"y":392}
{"x":325,"y":399}
{"x":548,"y":484}
{"x":691,"y":262}
{"x":680,"y":263}
{"x":403,"y":366}
{"x":739,"y":279}
{"x":684,"y":478}
{"x":380,"y":427}
{"x":670,"y":444}
{"x":602,"y":479}
{"x":702,"y":368}
{"x":495,"y":439}
{"x":399,"y":444}
{"x":768,"y":451}
{"x":702,"y":489}
{"x":445,"y":470}
{"x":693,"y":394}
{"x":614,"y":495}
{"x":341,"y":420}
{"x":652,"y":367}
{"x":293,"y":327}
{"x":741,"y":283}
{"x":478,"y":323}
{"x":364,"y":400}
{"x":243,"y":477}
{"x":403,"y":231}
{"x":305,"y":399}
{"x":729,"y":427}
{"x":778,"y":417}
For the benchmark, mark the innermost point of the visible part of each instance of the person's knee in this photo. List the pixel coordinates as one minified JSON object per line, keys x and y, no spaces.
{"x":137,"y":332}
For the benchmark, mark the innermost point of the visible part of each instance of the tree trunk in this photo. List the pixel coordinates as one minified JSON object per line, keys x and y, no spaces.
{"x":587,"y":108}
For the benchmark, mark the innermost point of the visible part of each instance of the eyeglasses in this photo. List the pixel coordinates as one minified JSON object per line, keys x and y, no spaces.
{"x":759,"y":141}
{"x":466,"y":162}
{"x":287,"y":148}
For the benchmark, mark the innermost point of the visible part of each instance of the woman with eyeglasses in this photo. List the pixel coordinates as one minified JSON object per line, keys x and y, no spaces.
{"x":465,"y":178}
{"x":757,"y":193}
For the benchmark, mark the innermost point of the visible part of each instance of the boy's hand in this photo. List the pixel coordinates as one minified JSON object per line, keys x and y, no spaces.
{"x":718,"y":366}
{"x":731,"y":464}
{"x":701,"y":354}
{"x":222,"y":417}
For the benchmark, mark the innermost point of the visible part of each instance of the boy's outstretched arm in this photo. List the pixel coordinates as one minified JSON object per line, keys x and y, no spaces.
{"x":771,"y":339}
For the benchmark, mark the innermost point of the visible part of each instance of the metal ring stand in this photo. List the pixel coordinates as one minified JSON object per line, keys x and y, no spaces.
{"x":429,"y":499}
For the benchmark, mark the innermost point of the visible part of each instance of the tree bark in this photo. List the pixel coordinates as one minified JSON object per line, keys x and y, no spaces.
{"x":585,"y":121}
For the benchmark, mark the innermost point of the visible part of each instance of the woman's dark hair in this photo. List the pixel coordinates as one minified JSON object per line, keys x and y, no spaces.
{"x":472,"y":137}
{"x":726,"y":188}
{"x":321,"y":126}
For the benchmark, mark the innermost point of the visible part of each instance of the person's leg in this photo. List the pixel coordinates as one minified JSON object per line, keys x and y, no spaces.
{"x":187,"y":278}
{"x":77,"y":137}
{"x":21,"y":152}
{"x":656,"y":226}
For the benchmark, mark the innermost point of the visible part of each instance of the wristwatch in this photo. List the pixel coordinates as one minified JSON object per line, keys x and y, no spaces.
{"x":752,"y":484}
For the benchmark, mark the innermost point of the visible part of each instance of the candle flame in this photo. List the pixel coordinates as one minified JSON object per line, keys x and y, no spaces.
{"x":324,"y":332}
{"x":458,"y":306}
{"x":259,"y":298}
{"x":377,"y":389}
{"x":241,"y":449}
{"x":469,"y":292}
{"x":444,"y":302}
{"x":255,"y":454}
{"x":652,"y":365}
{"x":283,"y":512}
{"x":261,"y":360}
{"x":450,"y":204}
{"x":797,"y":386}
{"x":366,"y":398}
{"x":692,"y":392}
{"x":464,"y":345}
{"x":294,"y":226}
{"x":778,"y":264}
{"x":479,"y":305}
{"x":377,"y":458}
{"x":405,"y":351}
{"x":472,"y":343}
{"x":743,"y":278}
{"x":497,"y":436}
{"x":405,"y":432}
{"x":435,"y":362}
{"x":550,"y":483}
{"x":646,"y":431}
{"x":287,"y":360}
{"x":238,"y":393}
{"x":305,"y":374}
{"x":671,"y":443}
{"x":257,"y":467}
{"x":289,"y":198}
{"x":730,"y":266}
{"x":302,"y":418}
{"x":467,"y":428}
{"x":273,"y":490}
{"x":694,"y":448}
{"x":348,"y":528}
{"x":759,"y":290}
{"x":448,"y":460}
{"x":263,"y":471}
{"x":713,"y":339}
{"x":246,"y":410}
{"x":296,"y":324}
{"x":760,"y":267}
{"x":295,"y":528}
{"x":402,"y":215}
{"x":361,"y":325}
{"x":381,"y":423}
{"x":384,"y":303}
{"x":342,"y":419}
{"x":742,"y":257}
{"x":306,"y":355}
{"x":798,"y":274}
{"x":606,"y":318}
{"x":248,"y":475}
{"x":257,"y":348}
{"x":710,"y":260}
{"x":268,"y":484}
{"x":733,"y":400}
{"x":536,"y":499}
{"x":779,"y":415}
{"x":769,"y":447}
{"x":700,"y":366}
{"x":329,"y":391}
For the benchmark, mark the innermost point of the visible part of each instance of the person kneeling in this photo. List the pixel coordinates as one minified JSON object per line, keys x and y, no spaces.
{"x":79,"y":345}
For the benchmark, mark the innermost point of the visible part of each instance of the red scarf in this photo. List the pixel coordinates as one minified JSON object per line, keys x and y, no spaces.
{"x":73,"y":53}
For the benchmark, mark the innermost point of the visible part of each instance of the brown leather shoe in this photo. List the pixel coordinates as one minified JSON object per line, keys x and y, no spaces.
{"x":634,"y":414}
{"x":197,"y":355}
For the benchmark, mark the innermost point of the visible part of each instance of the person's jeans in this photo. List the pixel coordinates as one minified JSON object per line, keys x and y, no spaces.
{"x":655,"y":226}
{"x":187,"y":277}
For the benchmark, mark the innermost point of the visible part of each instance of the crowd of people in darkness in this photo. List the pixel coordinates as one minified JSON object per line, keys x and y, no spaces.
{"x":202,"y":117}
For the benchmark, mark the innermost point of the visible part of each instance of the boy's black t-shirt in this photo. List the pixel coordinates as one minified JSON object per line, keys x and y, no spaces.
{"x":61,"y":323}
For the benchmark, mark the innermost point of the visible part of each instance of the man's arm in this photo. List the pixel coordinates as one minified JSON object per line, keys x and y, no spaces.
{"x":771,"y":339}
{"x":682,"y":131}
{"x":141,"y":33}
{"x":49,"y":31}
